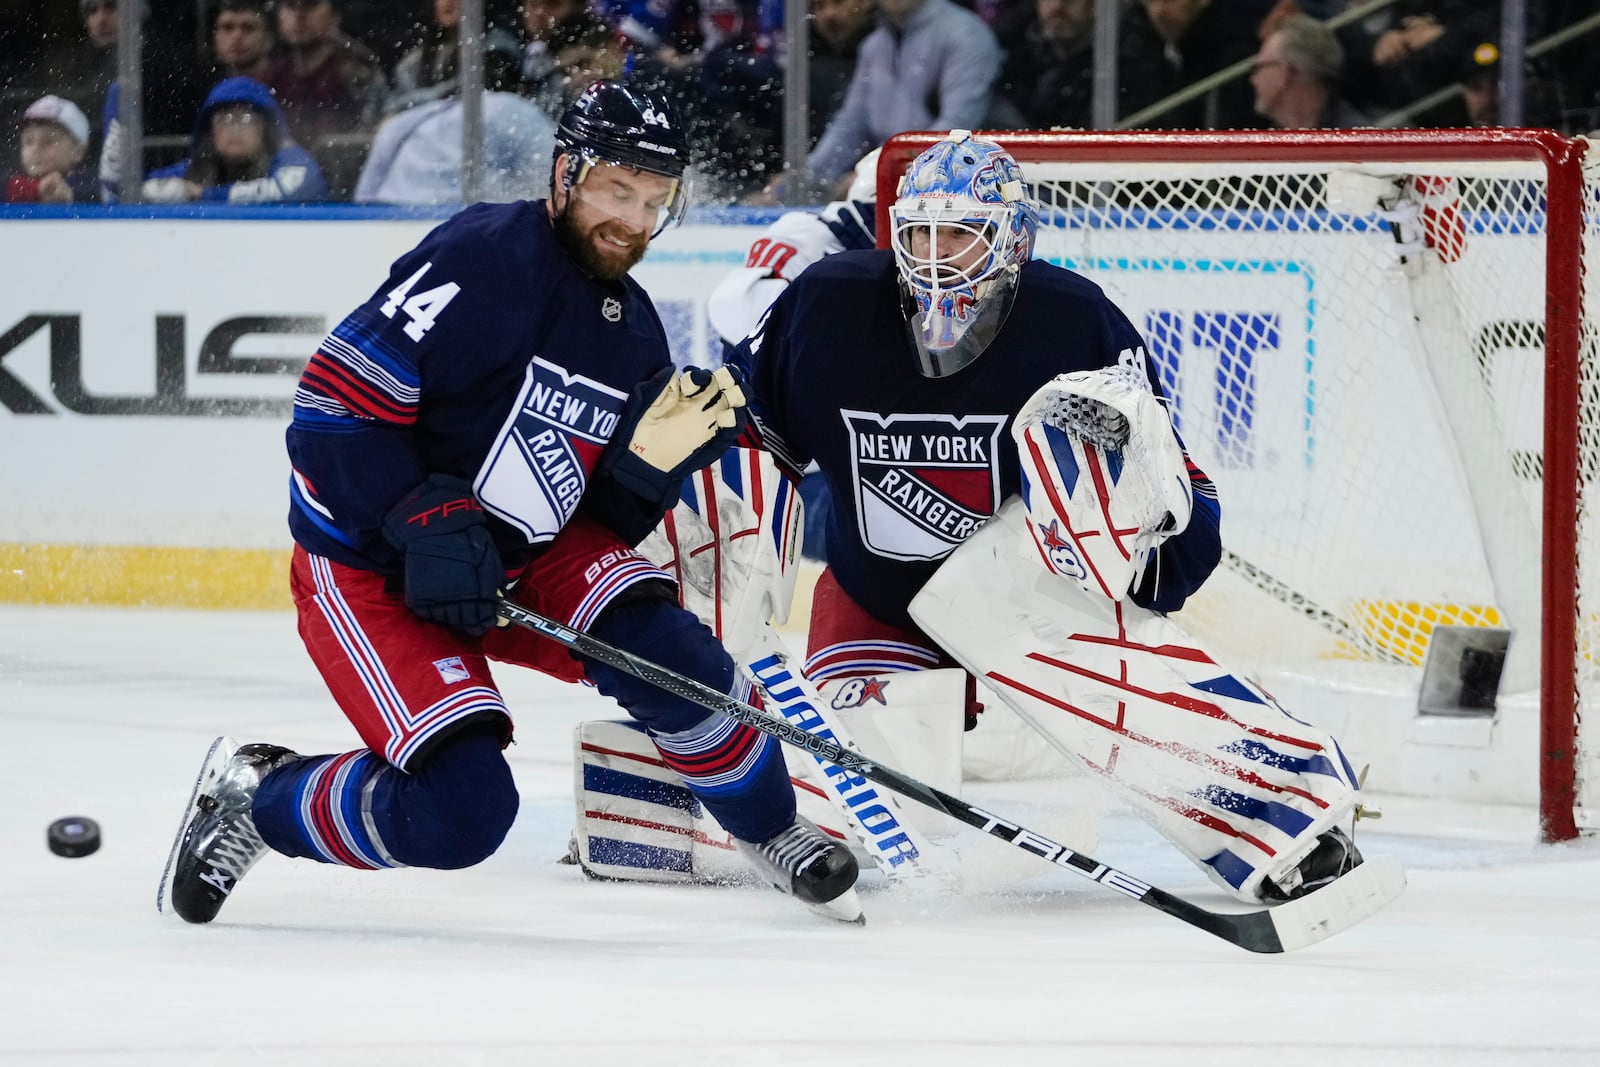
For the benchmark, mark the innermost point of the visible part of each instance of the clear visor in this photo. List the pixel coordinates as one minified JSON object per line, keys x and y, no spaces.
{"x":643,"y":201}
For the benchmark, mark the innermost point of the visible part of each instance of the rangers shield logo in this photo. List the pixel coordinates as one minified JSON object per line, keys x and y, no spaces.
{"x":540,"y":461}
{"x":924,"y":483}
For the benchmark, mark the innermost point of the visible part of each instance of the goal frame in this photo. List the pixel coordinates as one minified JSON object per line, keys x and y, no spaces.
{"x":1562,"y":159}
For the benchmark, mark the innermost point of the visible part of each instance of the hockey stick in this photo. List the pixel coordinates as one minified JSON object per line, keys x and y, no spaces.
{"x":876,"y":820}
{"x":1281,"y":928}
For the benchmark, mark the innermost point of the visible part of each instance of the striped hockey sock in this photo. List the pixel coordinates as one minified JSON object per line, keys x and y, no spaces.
{"x":356,"y":810}
{"x":737,"y":772}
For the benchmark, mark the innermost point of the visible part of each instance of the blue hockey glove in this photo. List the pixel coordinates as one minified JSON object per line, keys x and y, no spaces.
{"x":453,"y":571}
{"x":674,"y":424}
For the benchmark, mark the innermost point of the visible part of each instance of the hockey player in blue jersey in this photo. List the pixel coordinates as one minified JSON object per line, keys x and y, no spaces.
{"x":935,"y":382}
{"x":500,"y":417}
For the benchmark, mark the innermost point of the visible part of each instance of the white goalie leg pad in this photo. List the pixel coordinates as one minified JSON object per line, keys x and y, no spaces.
{"x":912,"y":720}
{"x":1213,"y":762}
{"x":733,"y":545}
{"x":1003,"y":748}
{"x":638,"y":822}
{"x":1104,"y":479}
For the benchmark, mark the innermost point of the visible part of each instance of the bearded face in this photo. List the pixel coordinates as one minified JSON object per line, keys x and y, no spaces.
{"x":607,"y":216}
{"x":602,"y":247}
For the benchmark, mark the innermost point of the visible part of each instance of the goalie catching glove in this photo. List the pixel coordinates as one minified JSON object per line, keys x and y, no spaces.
{"x":673,"y":424}
{"x":1104,"y":478}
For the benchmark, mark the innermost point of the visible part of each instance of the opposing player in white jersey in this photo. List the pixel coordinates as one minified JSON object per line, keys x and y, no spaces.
{"x":1010,"y":495}
{"x":777,"y":257}
{"x":791,"y":244}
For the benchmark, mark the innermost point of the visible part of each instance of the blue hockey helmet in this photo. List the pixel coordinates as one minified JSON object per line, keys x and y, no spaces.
{"x":612,"y":123}
{"x":961,"y":228}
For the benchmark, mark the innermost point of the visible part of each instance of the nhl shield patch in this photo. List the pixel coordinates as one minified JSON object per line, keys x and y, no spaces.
{"x":924,"y":483}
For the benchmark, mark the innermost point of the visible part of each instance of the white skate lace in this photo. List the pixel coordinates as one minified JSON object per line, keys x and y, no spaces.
{"x":796,"y":848}
{"x":235,"y":849}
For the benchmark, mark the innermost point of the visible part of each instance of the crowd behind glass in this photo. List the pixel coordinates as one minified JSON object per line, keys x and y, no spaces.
{"x":261,"y":101}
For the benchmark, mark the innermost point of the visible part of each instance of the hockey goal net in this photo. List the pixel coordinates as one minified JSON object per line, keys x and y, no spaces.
{"x":1379,"y":345}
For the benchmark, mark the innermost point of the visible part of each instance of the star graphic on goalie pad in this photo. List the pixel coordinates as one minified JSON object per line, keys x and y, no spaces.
{"x":872,"y":689}
{"x":1061,"y":554}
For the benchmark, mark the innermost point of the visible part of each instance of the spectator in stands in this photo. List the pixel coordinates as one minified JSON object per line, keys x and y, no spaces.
{"x":578,"y":52}
{"x":1406,"y":51}
{"x":930,"y":64}
{"x":327,"y":83}
{"x":1048,"y":77}
{"x":1480,"y":84}
{"x":428,"y":71}
{"x":330,"y":87}
{"x":241,"y":40}
{"x":83,"y":70}
{"x":241,"y":153}
{"x":1170,"y":44}
{"x":663,"y":30}
{"x":738,"y":130}
{"x":416,"y":154}
{"x":837,"y":29}
{"x":1296,"y":78}
{"x":547,"y":23}
{"x":55,"y":142}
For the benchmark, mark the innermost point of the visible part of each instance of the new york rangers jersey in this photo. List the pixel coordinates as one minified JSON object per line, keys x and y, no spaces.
{"x":915,"y":465}
{"x":487,"y":355}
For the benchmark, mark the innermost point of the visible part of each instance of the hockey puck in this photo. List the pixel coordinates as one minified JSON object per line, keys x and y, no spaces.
{"x":74,"y":836}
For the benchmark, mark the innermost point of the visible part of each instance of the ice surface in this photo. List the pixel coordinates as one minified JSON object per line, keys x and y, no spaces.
{"x":1491,"y":957}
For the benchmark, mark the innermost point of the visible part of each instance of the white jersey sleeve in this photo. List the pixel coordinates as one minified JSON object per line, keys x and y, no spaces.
{"x":787,"y":247}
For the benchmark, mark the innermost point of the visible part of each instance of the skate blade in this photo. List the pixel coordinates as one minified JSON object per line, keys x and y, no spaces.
{"x":208,"y":773}
{"x":844,"y":908}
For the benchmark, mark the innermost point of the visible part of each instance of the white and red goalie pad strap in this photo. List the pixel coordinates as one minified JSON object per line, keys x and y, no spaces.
{"x":638,"y":822}
{"x":733,"y":545}
{"x":1209,"y":759}
{"x":1099,"y":498}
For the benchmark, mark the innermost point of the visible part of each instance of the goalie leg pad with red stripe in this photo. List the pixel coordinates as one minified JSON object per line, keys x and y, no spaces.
{"x":1211,"y":760}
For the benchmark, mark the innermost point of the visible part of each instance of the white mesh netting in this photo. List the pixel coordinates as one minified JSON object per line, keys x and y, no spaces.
{"x":1355,"y":353}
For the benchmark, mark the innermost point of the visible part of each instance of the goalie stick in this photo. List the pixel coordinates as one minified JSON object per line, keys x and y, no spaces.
{"x":1281,"y":928}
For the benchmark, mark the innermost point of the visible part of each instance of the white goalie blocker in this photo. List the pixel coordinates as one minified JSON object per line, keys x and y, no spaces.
{"x":733,"y":544}
{"x":1208,"y":758}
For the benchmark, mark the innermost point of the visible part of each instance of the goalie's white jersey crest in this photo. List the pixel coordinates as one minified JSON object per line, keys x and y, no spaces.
{"x":924,"y":482}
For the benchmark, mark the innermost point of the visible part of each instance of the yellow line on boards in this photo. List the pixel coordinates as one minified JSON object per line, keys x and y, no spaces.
{"x":145,"y":576}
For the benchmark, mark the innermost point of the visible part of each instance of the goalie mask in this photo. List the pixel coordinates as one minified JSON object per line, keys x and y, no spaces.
{"x":962,"y":227}
{"x":613,"y":125}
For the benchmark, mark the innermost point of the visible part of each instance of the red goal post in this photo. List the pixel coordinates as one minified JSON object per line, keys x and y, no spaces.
{"x":1380,"y":346}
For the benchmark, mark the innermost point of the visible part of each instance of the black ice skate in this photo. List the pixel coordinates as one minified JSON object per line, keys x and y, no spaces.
{"x":217,"y":840}
{"x":805,"y":863}
{"x":1334,"y":855}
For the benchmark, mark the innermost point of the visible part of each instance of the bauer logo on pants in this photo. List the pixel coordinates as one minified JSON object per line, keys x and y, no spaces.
{"x":924,"y":483}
